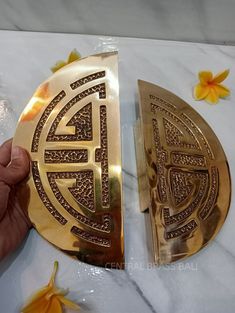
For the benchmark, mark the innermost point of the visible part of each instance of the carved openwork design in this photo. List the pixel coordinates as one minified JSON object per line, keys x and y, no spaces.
{"x":74,"y":161}
{"x":188,"y":176}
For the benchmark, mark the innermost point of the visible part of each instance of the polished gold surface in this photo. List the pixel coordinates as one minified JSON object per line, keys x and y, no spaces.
{"x":143,"y":186}
{"x":188,"y":175}
{"x":71,"y":129}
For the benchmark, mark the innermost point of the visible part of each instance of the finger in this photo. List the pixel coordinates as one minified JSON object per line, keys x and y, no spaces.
{"x":5,"y":152}
{"x":4,"y":195}
{"x":18,"y":168}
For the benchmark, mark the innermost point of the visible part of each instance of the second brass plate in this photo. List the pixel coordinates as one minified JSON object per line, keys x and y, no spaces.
{"x":187,"y":188}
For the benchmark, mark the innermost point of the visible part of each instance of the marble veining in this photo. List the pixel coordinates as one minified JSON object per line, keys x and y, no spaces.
{"x":203,"y":283}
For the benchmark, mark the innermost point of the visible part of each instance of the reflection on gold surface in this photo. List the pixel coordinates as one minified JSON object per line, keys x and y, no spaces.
{"x":185,"y":180}
{"x":71,"y":128}
{"x":36,"y":103}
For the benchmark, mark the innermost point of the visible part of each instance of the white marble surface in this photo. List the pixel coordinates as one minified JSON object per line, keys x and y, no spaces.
{"x":204,"y":283}
{"x":191,"y":20}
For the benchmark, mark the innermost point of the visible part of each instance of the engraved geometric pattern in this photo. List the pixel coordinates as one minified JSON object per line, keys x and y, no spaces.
{"x":82,"y":121}
{"x":83,"y":189}
{"x":69,"y":142}
{"x":179,"y":183}
{"x":181,"y":186}
{"x":174,"y":135}
{"x":187,"y":172}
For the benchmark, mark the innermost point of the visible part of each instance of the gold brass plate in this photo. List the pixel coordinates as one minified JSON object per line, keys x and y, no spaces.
{"x":71,"y":129}
{"x":187,"y":174}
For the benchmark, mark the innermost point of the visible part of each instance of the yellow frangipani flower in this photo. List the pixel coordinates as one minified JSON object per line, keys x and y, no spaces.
{"x":73,"y":56}
{"x":210,"y":88}
{"x":49,"y":299}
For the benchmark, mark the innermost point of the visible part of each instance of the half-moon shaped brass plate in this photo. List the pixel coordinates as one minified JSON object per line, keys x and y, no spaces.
{"x":187,"y":187}
{"x":71,"y":129}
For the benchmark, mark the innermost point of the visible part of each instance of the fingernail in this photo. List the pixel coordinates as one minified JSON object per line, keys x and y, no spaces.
{"x":16,"y":153}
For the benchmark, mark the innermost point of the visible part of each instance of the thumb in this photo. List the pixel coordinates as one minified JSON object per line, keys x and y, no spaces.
{"x":18,"y":168}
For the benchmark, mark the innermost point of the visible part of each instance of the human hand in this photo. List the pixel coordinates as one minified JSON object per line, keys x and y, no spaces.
{"x":14,"y":222}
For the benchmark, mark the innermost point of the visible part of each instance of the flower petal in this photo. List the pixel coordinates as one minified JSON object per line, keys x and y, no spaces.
{"x":200,"y":91}
{"x":205,"y":77}
{"x":212,"y":96}
{"x":220,"y":77}
{"x":38,"y":295}
{"x":39,"y":308}
{"x":74,"y":56}
{"x":222,"y":91}
{"x":58,"y":66}
{"x":49,"y":299}
{"x":55,"y":306}
{"x":38,"y":303}
{"x":70,"y":304}
{"x":40,"y":298}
